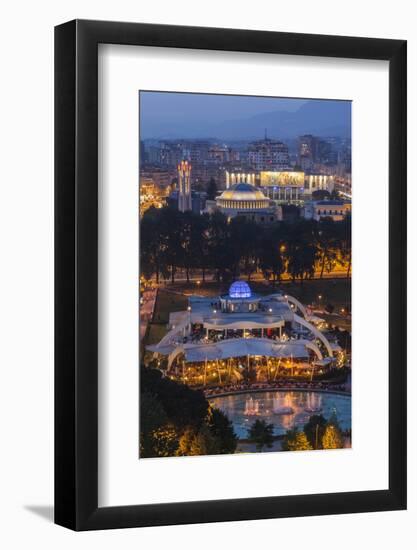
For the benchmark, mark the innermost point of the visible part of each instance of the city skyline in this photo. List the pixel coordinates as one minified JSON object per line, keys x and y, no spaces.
{"x":171,"y":115}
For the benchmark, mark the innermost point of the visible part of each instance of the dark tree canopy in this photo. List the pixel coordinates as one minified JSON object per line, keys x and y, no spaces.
{"x":172,"y":240}
{"x":176,"y":420}
{"x":211,"y":189}
{"x":314,"y":430}
{"x":221,"y":429}
{"x":262,"y":434}
{"x":182,"y":405}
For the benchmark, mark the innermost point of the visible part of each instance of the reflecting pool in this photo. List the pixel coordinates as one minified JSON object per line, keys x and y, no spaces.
{"x":285,"y":409}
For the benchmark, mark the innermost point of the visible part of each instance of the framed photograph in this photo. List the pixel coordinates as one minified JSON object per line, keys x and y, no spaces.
{"x":230,"y":275}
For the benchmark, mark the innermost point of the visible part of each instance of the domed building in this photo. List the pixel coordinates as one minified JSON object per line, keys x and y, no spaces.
{"x":242,"y":196}
{"x":239,"y":299}
{"x":244,"y":199}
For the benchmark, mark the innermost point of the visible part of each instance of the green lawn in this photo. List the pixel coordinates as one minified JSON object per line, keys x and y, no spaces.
{"x":332,"y":291}
{"x":209,"y":288}
{"x":166,"y":303}
{"x":155,"y":333}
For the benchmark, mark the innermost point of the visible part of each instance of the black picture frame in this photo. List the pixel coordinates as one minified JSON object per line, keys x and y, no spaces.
{"x":76,"y":271}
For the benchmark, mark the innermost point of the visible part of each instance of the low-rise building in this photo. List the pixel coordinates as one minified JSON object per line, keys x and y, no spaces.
{"x":335,"y":209}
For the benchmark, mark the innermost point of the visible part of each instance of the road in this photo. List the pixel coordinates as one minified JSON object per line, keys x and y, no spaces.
{"x":180,"y":278}
{"x":146,"y":311}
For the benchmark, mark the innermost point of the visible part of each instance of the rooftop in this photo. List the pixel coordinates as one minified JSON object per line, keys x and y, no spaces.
{"x":332,"y":203}
{"x":273,"y":309}
{"x":242,"y":192}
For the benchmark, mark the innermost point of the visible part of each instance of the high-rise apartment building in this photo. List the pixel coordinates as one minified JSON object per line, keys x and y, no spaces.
{"x":268,"y":154}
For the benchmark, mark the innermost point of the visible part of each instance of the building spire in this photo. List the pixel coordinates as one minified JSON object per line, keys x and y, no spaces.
{"x":184,"y":186}
{"x":266,"y":134}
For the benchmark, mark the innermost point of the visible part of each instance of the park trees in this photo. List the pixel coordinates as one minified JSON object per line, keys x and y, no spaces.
{"x":301,"y":250}
{"x":318,"y":433}
{"x":200,"y":248}
{"x":222,"y":254}
{"x":345,"y":232}
{"x":211,"y":189}
{"x":314,"y":430}
{"x":262,"y":434}
{"x":151,"y":253}
{"x":326,"y":235}
{"x":194,"y":443}
{"x":172,"y":240}
{"x":158,"y":436}
{"x":170,"y":228}
{"x":214,"y":437}
{"x":191,"y":237}
{"x":244,"y":240}
{"x":296,"y":441}
{"x":332,"y":438}
{"x":271,"y":254}
{"x":178,"y":421}
{"x":221,"y":428}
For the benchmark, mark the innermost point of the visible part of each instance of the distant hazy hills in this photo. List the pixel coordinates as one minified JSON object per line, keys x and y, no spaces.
{"x":332,"y":118}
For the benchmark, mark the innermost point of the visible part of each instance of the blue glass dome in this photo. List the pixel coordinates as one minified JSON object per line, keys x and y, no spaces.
{"x":240,"y":289}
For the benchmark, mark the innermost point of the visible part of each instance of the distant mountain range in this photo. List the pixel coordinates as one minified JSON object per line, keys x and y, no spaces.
{"x":332,"y":118}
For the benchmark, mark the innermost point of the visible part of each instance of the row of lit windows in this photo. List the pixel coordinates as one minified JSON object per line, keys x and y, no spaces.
{"x":283,"y":192}
{"x":330,"y":212}
{"x":244,"y":204}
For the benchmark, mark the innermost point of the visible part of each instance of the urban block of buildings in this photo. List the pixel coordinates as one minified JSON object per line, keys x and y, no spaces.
{"x":254,"y":181}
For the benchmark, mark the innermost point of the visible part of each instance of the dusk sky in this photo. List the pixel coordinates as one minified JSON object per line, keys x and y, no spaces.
{"x":170,"y":114}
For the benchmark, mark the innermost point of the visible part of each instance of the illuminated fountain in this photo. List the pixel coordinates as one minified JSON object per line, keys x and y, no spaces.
{"x":281,"y":409}
{"x":313,"y":403}
{"x":251,"y":407}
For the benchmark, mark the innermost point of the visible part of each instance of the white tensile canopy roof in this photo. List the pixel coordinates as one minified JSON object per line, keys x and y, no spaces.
{"x":243,"y":347}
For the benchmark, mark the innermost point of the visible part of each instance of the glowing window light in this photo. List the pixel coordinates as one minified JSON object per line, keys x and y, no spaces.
{"x":240,"y":289}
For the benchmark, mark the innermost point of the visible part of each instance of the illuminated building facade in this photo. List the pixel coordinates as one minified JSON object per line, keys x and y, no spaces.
{"x":283,"y":186}
{"x":319,"y":182}
{"x":239,"y":177}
